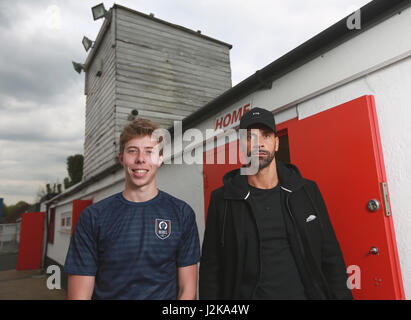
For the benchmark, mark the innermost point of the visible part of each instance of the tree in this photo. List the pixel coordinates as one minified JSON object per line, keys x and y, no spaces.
{"x":5,"y":211}
{"x":14,"y":211}
{"x":19,"y":207}
{"x":74,"y":169}
{"x":41,"y":193}
{"x":48,"y":189}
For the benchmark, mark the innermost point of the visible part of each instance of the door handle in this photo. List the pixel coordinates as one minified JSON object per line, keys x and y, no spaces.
{"x":373,"y":251}
{"x":373,"y":205}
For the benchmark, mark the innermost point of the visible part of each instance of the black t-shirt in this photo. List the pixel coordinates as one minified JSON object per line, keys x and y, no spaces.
{"x":279,"y":277}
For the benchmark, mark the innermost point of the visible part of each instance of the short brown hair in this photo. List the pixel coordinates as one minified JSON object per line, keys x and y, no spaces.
{"x":139,"y":127}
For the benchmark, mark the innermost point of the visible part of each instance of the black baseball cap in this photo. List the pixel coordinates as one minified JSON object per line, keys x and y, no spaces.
{"x":258,"y":116}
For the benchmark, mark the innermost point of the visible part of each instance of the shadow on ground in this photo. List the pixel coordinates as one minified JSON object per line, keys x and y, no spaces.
{"x":24,"y":285}
{"x":8,"y":261}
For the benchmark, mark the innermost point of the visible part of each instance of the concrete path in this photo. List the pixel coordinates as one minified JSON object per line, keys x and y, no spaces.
{"x":8,"y":261}
{"x":27,"y":285}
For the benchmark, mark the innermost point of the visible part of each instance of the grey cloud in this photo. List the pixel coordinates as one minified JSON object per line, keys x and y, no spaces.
{"x":37,"y":67}
{"x":32,"y":162}
{"x":33,"y":135}
{"x":21,"y":191}
{"x":38,"y":73}
{"x":20,"y":175}
{"x":5,"y":15}
{"x":39,"y":126}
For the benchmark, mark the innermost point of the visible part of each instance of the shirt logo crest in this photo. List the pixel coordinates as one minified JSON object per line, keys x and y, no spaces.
{"x":163,"y":228}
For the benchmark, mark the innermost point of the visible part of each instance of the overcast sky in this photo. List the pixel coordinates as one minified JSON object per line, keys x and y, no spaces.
{"x":42,"y":105}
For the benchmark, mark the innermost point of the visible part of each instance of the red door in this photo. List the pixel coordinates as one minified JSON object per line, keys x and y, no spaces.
{"x":340,"y":149}
{"x":31,"y":241}
{"x":78,"y":207}
{"x":213,"y":172}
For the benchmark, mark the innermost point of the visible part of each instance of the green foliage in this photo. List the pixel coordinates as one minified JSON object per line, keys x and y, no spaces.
{"x":5,"y":210}
{"x":67,"y":183}
{"x":74,"y":169}
{"x":16,"y":209}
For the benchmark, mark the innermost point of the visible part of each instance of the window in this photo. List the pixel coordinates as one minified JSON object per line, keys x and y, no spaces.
{"x":65,"y":222}
{"x":68,"y":222}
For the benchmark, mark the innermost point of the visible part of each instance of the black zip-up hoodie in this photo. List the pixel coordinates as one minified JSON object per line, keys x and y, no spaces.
{"x":312,"y":239}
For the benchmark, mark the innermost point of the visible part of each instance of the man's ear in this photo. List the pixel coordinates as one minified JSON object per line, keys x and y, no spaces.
{"x":160,"y":160}
{"x":120,"y":158}
{"x":277,"y":143}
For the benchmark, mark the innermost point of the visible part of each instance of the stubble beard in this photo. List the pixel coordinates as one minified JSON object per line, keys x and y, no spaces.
{"x":265,"y":162}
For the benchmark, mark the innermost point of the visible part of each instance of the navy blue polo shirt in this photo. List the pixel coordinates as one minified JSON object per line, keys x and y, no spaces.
{"x":134,"y":248}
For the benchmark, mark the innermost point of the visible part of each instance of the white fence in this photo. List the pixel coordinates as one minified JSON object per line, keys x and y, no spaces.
{"x":9,"y":237}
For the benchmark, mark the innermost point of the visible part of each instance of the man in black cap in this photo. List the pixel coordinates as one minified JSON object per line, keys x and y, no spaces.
{"x":268,"y":234}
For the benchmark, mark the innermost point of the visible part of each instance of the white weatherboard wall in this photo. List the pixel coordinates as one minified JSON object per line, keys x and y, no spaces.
{"x":100,"y":111}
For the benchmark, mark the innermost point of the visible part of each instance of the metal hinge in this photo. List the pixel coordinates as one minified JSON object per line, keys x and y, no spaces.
{"x":386,"y":199}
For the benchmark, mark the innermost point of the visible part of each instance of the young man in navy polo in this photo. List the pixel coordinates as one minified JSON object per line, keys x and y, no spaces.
{"x":141,"y":243}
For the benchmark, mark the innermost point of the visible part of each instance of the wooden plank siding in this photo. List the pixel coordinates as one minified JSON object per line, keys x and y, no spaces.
{"x":100,"y":113}
{"x":164,"y":71}
{"x":133,"y":52}
{"x":161,"y":69}
{"x":167,"y":32}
